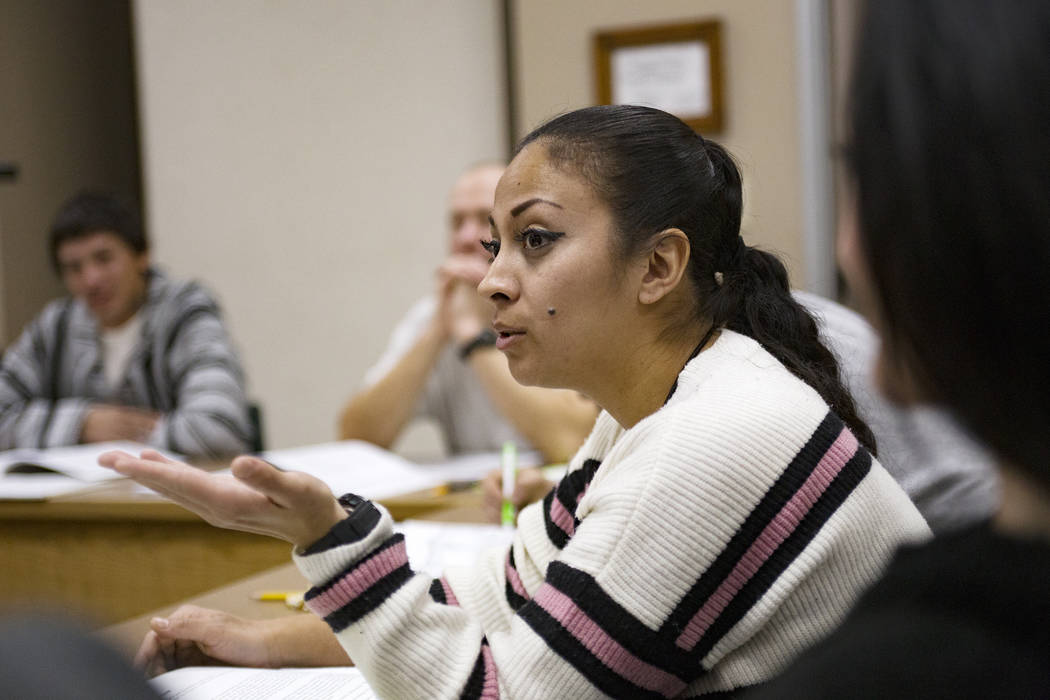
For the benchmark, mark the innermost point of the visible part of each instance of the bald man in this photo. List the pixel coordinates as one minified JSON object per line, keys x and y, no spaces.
{"x":442,"y":363}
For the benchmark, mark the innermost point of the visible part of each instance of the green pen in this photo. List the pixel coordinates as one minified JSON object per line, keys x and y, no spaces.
{"x":509,"y":466}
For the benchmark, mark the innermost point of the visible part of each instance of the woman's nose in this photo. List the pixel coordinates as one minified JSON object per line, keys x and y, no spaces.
{"x":499,"y":283}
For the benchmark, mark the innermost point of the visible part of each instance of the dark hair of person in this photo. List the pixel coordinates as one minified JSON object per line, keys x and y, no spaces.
{"x":90,"y":212}
{"x":655,"y":173}
{"x":949,"y":118}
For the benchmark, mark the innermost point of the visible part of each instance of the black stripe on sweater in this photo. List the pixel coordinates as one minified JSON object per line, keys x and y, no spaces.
{"x":437,"y":592}
{"x":56,"y":370}
{"x":768,"y":507}
{"x":826,"y":505}
{"x":579,"y":657}
{"x":369,"y":600}
{"x":389,"y":542}
{"x":651,"y":646}
{"x":514,"y":599}
{"x":567,"y":492}
{"x":476,"y":681}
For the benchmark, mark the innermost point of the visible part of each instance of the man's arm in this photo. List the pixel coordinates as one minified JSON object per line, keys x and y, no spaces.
{"x":211,"y":410}
{"x":555,"y":421}
{"x":379,"y":412}
{"x":29,"y":417}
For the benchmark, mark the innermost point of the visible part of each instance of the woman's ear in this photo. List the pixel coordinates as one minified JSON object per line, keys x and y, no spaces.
{"x":666,"y":265}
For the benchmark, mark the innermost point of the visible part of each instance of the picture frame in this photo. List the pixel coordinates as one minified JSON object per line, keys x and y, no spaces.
{"x":674,"y":67}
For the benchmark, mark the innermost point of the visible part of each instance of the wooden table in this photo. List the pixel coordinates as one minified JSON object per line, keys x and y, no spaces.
{"x":113,"y":552}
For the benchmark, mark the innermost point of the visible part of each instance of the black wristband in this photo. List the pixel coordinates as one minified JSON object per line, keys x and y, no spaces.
{"x":362,"y":518}
{"x":485,"y":339}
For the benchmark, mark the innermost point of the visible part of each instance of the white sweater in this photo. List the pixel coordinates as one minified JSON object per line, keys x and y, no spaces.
{"x":701,"y":550}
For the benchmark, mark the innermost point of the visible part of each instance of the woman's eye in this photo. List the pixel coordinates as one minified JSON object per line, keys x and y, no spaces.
{"x":533,"y":238}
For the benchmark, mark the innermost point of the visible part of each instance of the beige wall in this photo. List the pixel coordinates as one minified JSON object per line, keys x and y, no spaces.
{"x":554,"y":67}
{"x":296,"y":158}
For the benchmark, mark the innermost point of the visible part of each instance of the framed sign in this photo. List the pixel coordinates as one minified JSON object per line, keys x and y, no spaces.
{"x":675,"y":67}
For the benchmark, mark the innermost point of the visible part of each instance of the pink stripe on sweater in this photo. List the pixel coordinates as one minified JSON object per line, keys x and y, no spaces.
{"x":358,"y":580}
{"x":561,"y":517}
{"x":450,"y":597}
{"x":605,"y":648}
{"x":778,"y":529}
{"x":514,"y":579}
{"x":490,"y":688}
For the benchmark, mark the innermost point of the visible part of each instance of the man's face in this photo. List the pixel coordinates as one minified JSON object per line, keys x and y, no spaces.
{"x":104,"y":272}
{"x":470,"y":205}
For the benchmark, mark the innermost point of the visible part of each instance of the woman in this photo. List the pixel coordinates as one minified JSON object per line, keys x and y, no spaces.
{"x":719,"y":519}
{"x":948,"y":244}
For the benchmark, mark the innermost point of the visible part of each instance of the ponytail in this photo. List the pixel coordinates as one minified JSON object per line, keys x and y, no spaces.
{"x":755,"y":300}
{"x":654,"y":172}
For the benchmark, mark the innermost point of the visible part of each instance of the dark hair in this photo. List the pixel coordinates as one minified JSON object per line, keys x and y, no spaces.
{"x":949,"y":115}
{"x":90,"y":212}
{"x":654,"y":172}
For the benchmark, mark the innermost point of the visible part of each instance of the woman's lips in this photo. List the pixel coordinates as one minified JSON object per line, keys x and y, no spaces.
{"x":506,"y":339}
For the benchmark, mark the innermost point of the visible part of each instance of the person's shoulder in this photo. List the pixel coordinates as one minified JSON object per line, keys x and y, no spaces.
{"x":169,"y":294}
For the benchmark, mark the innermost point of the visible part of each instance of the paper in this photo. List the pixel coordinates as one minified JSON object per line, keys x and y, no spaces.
{"x":672,"y":77}
{"x":29,"y":474}
{"x":36,"y":487}
{"x":357,"y":467}
{"x":434,"y":546}
{"x":225,"y":683}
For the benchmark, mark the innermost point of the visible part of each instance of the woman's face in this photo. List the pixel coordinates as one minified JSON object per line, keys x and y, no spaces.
{"x":561,"y":293}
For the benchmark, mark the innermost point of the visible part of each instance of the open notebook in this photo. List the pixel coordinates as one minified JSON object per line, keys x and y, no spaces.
{"x":30,"y":474}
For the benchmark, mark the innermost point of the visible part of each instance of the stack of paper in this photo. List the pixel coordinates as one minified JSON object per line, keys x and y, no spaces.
{"x":29,"y":474}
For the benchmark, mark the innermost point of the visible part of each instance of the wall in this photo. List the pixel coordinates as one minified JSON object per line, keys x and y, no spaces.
{"x":297,"y":158}
{"x":67,"y":118}
{"x":554,"y":69}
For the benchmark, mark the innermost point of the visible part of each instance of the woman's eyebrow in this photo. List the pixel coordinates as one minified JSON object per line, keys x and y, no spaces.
{"x":526,"y":204}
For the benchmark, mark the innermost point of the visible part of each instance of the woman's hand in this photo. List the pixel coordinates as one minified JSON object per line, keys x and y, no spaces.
{"x":258,"y":497}
{"x":193,"y":636}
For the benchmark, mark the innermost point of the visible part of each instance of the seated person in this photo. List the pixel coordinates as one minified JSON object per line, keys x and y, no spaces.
{"x":129,"y":355}
{"x":945,"y":240}
{"x":950,"y":479}
{"x":720,"y":518}
{"x":442,"y":362}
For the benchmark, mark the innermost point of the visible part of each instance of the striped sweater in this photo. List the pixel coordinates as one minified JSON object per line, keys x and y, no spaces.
{"x":699,"y":551}
{"x":182,"y":366}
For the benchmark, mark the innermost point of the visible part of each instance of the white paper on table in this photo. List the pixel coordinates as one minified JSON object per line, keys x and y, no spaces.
{"x":76,"y":461}
{"x":209,"y":682}
{"x":434,"y":547}
{"x":36,"y":487}
{"x":474,"y":466}
{"x":357,"y":467}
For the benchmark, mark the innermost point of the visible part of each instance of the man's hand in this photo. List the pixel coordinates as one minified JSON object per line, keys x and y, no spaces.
{"x":258,"y":497}
{"x":105,"y":422}
{"x":462,"y":312}
{"x":529,"y":486}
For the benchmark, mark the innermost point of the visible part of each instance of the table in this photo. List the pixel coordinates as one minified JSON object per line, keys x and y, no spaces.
{"x":113,"y":552}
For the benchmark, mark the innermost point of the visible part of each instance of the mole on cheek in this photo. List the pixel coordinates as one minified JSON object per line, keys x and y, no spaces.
{"x":551,"y":311}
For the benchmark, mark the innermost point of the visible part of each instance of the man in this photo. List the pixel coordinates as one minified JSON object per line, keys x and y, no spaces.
{"x":442,"y":363}
{"x":129,"y":355}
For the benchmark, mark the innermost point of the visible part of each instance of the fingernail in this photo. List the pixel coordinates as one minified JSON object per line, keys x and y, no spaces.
{"x":160,"y":623}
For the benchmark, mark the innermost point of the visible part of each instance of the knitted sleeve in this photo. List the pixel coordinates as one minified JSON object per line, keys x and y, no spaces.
{"x":203,"y":376}
{"x":31,"y":415}
{"x":671,"y":570}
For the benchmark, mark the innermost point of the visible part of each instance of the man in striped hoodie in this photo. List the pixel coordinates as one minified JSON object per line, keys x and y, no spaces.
{"x":129,"y":355}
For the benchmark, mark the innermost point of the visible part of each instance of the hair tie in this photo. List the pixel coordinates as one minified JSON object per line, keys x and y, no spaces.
{"x":719,"y":278}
